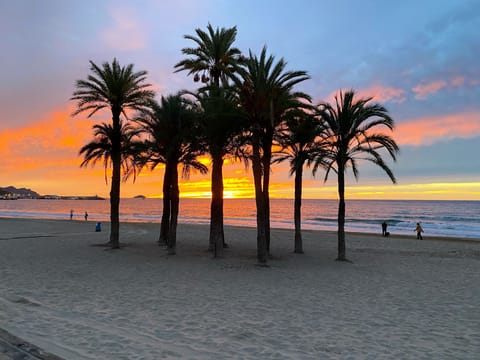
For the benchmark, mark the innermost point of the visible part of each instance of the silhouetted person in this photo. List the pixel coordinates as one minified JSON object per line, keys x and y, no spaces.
{"x":419,"y":231}
{"x":384,"y":229}
{"x":86,"y":216}
{"x":71,"y":214}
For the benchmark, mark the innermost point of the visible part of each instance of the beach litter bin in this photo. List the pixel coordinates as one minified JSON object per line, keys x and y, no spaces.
{"x":98,"y":227}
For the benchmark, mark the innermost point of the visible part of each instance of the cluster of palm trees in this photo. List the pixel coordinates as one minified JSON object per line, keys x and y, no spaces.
{"x":246,"y":109}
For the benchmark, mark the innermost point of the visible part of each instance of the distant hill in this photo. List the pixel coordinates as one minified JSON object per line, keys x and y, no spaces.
{"x":22,"y":193}
{"x":12,"y":193}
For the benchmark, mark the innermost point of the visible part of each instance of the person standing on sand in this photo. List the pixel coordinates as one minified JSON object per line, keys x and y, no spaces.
{"x":384,"y":229}
{"x":86,"y":216}
{"x":71,"y":214}
{"x":419,"y":231}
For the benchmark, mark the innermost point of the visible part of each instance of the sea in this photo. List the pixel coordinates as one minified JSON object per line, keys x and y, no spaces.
{"x":438,"y":218}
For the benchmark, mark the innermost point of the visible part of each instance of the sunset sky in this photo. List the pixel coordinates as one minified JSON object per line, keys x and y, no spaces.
{"x":418,"y":58}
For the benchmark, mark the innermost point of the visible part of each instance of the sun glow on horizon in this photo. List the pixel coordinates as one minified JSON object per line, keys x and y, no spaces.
{"x":316,"y":190}
{"x":43,"y":156}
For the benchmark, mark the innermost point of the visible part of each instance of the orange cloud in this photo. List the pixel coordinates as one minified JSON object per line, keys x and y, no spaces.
{"x":54,"y":139}
{"x":425,"y":131}
{"x":44,"y":156}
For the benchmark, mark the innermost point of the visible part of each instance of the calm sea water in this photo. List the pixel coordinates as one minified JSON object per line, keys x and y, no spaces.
{"x":439,"y":218}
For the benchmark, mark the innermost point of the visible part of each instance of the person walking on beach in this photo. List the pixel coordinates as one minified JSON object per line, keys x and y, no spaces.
{"x":419,"y":231}
{"x":86,"y":216}
{"x":71,"y":214}
{"x":384,"y":229}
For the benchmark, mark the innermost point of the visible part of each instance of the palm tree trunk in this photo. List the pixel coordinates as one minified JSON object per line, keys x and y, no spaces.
{"x":266,"y":199}
{"x":175,"y":200}
{"x":297,"y":211}
{"x":341,"y":214}
{"x":216,"y":207}
{"x":115,"y":186}
{"x":164,"y":225}
{"x":115,"y":206}
{"x":267,"y":158}
{"x":260,"y":202}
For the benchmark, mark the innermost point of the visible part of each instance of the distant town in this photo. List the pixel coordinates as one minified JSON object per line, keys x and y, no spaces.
{"x":12,"y":193}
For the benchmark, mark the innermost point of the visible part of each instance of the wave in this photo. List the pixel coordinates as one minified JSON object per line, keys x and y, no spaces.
{"x":390,"y":222}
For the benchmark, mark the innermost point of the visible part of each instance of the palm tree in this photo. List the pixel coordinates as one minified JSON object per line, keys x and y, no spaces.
{"x":217,"y":60}
{"x":352,"y":137}
{"x":302,"y":141}
{"x":118,"y":89}
{"x":170,"y":140}
{"x":266,"y":94}
{"x":220,"y":122}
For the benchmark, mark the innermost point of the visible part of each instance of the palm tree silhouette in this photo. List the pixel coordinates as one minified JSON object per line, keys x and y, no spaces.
{"x":119,"y":89}
{"x":266,"y":93}
{"x":170,"y":129}
{"x":217,"y":60}
{"x":352,"y":137}
{"x":302,"y":140}
{"x":220,"y":121}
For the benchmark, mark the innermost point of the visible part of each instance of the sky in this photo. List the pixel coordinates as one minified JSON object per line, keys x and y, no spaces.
{"x":420,"y":59}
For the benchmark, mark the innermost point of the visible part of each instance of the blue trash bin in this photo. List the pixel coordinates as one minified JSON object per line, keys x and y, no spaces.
{"x":98,"y":227}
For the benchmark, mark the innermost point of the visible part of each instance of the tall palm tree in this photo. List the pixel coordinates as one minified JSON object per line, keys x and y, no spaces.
{"x":352,"y":131}
{"x":266,"y":94}
{"x":220,"y":122}
{"x":119,"y":89}
{"x":170,"y":128}
{"x":302,"y":141}
{"x":217,"y":60}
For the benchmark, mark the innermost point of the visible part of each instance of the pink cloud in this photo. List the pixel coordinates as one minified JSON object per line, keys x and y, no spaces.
{"x":384,"y":93}
{"x":425,"y":131}
{"x":125,"y":33}
{"x":458,"y":81}
{"x":423,"y":90}
{"x":379,"y":94}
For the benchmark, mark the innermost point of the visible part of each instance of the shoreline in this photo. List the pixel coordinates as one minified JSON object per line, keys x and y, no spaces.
{"x":449,"y":220}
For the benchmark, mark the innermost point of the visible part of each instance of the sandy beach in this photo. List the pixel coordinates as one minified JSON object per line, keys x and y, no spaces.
{"x":399,"y":298}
